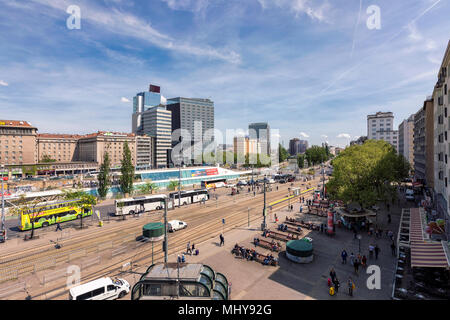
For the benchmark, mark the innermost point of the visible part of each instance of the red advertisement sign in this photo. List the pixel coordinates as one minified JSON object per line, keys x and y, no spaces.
{"x":330,"y":222}
{"x":212,"y":172}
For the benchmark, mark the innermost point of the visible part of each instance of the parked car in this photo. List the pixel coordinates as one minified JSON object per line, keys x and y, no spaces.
{"x":100,"y":289}
{"x":175,"y":225}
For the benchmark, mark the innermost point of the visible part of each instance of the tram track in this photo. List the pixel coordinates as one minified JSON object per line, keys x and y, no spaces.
{"x":33,"y":254}
{"x":177,"y":243}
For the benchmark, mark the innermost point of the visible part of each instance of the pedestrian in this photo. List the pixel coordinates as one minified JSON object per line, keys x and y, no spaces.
{"x":336,"y":285}
{"x":351,"y":286}
{"x":393,"y":248}
{"x":389,"y":218}
{"x":58,"y":227}
{"x":377,"y":251}
{"x":344,"y":256}
{"x":276,"y":218}
{"x":222,"y":240}
{"x":193,"y":247}
{"x":332,"y":275}
{"x":391,"y":235}
{"x":371,"y":248}
{"x":301,"y":209}
{"x":364,"y":261}
{"x":356,"y":266}
{"x":352,"y":258}
{"x":188,"y":248}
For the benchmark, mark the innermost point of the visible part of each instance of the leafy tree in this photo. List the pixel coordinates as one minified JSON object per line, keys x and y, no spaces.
{"x":301,"y":160}
{"x":282,"y":153}
{"x":87,"y":200}
{"x":104,"y":176}
{"x":173,"y":184}
{"x":46,"y":159}
{"x":365,"y":174}
{"x":127,"y":170}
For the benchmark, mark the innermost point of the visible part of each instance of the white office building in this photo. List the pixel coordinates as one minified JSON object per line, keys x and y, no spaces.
{"x":380,"y":126}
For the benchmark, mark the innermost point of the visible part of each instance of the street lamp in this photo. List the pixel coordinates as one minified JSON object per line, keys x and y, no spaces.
{"x":3,"y":207}
{"x":359,"y":242}
{"x":264,"y":225}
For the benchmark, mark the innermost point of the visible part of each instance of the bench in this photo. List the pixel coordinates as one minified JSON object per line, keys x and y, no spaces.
{"x":279,"y":236}
{"x":254,"y":254}
{"x":268,"y":245}
{"x":291,"y":229}
{"x":309,"y":226}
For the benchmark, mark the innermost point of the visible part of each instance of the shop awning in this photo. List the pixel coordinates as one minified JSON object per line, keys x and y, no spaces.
{"x":429,"y":255}
{"x":416,"y":228}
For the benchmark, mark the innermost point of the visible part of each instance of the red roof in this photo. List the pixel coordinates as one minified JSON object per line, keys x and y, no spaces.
{"x":15,"y":123}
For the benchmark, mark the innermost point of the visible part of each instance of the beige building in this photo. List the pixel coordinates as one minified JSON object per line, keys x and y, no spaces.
{"x":92,"y":147}
{"x":60,"y":147}
{"x":406,"y":139}
{"x":17,"y":142}
{"x":424,"y":143}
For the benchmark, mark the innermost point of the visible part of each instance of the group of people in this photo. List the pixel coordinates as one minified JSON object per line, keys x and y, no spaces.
{"x":355,"y":261}
{"x":191,"y":249}
{"x":334,"y":284}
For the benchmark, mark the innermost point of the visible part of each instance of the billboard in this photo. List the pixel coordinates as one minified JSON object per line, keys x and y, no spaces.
{"x":204,"y":172}
{"x":156,"y":89}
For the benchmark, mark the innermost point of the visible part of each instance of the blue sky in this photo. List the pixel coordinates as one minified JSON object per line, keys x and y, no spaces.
{"x":311,"y":68}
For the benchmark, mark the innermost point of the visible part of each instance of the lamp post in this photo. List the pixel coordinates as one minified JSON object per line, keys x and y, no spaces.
{"x":3,"y":207}
{"x":359,"y":242}
{"x":264,"y":225}
{"x":165,"y":232}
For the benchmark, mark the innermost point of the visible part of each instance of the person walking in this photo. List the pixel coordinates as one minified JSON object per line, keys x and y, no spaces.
{"x":389,"y":218}
{"x":344,"y":256}
{"x":193,"y":247}
{"x":276,"y":218}
{"x":188,"y":248}
{"x":351,"y":286}
{"x":352,"y":258}
{"x":336,"y":284}
{"x":371,"y":249}
{"x":332,"y":275}
{"x":356,"y":266}
{"x":393,"y":248}
{"x":222,"y":240}
{"x":377,"y":251}
{"x":58,"y":227}
{"x":301,"y":209}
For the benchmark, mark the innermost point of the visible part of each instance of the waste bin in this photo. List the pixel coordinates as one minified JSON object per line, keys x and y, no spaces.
{"x":100,"y":223}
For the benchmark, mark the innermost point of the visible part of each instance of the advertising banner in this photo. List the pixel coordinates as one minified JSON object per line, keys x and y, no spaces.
{"x":330,"y":222}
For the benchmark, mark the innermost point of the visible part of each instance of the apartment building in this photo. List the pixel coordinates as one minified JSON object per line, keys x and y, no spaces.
{"x":406,"y":139}
{"x":17,"y":142}
{"x":59,"y":147}
{"x":424,"y":143}
{"x":441,"y":105}
{"x":380,"y":126}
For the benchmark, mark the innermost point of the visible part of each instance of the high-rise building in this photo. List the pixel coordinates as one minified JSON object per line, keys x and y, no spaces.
{"x":441,"y":105}
{"x":380,"y":126}
{"x":406,"y":139}
{"x":297,"y":146}
{"x":261,"y":132}
{"x":17,"y":142}
{"x":196,"y":116}
{"x":424,"y":144}
{"x":151,"y":117}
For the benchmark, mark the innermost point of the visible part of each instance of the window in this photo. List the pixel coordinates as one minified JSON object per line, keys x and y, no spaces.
{"x":111,"y":287}
{"x":152,"y":290}
{"x":84,"y":296}
{"x":98,"y":291}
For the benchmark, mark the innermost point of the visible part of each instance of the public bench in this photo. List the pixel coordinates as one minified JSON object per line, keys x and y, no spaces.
{"x":309,"y":226}
{"x":279,"y":236}
{"x":290,"y":229}
{"x":254,"y":255}
{"x":267,"y":244}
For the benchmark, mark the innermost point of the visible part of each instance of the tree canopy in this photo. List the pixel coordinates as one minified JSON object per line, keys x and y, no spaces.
{"x":364,"y":174}
{"x":282,"y":153}
{"x":127,"y":171}
{"x":103,"y":176}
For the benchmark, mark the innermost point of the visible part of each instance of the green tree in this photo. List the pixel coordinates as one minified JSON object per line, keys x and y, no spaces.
{"x":46,"y":159}
{"x":173,"y":184}
{"x":127,"y":170}
{"x":87,"y":200}
{"x":282,"y":153}
{"x":301,"y":160}
{"x":104,"y":176}
{"x":367,"y":173}
{"x":148,"y":187}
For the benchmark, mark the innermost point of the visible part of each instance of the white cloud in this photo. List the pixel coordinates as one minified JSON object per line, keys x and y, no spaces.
{"x":315,"y":12}
{"x":3,"y":83}
{"x":343,"y":136}
{"x":187,"y":5}
{"x":304,"y":135}
{"x":123,"y":99}
{"x":324,"y":136}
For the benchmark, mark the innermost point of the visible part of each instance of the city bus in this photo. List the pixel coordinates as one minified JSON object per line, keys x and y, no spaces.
{"x":217,"y":183}
{"x":48,"y":213}
{"x":191,"y":196}
{"x":140,"y":204}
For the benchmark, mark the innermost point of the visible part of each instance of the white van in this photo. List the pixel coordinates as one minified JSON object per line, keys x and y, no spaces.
{"x":174,"y":225}
{"x":100,"y":289}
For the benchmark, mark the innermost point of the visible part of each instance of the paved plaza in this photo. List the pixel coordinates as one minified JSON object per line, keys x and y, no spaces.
{"x":251,"y":280}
